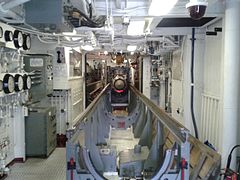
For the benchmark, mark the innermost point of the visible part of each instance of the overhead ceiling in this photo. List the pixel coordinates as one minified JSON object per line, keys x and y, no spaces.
{"x":177,"y":22}
{"x":159,"y":30}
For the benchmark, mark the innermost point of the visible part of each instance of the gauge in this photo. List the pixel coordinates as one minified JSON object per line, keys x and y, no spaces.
{"x":26,"y":42}
{"x":8,"y":36}
{"x":27,"y":82}
{"x":1,"y":32}
{"x":8,"y":83}
{"x":18,"y":39}
{"x":1,"y":85}
{"x":18,"y":81}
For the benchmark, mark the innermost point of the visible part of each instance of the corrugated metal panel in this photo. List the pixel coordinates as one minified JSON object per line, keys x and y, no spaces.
{"x":210,"y":121}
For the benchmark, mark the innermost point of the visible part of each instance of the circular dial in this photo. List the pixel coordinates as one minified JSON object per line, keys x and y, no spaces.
{"x":18,"y":39}
{"x":8,"y":36}
{"x":1,"y":85}
{"x":1,"y":32}
{"x":18,"y":80}
{"x":8,"y":83}
{"x":26,"y":42}
{"x":27,"y":82}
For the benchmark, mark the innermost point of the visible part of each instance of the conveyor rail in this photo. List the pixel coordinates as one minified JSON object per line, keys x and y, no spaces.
{"x":171,"y":152}
{"x":176,"y":128}
{"x":91,"y":107}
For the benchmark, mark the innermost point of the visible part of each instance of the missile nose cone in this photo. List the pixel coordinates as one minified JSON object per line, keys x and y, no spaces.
{"x":119,"y":84}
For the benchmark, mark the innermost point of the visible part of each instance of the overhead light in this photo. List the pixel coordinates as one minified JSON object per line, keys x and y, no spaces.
{"x":76,"y":38}
{"x":77,"y":49}
{"x":131,"y":48}
{"x":161,"y":7}
{"x":72,"y":36}
{"x":135,"y":28}
{"x":126,"y":20}
{"x":87,"y":47}
{"x":105,"y":53}
{"x":74,"y":32}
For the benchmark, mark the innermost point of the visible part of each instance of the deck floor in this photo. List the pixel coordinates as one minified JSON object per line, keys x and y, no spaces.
{"x":51,"y":168}
{"x":54,"y":167}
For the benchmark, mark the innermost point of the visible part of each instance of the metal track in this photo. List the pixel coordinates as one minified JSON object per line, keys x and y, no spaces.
{"x":157,"y":131}
{"x":176,"y":128}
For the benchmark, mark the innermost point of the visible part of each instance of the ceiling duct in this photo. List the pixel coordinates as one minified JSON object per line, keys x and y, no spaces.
{"x":62,"y":15}
{"x":49,"y":16}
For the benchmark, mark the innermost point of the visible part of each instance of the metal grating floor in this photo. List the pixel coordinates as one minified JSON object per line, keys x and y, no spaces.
{"x":51,"y":168}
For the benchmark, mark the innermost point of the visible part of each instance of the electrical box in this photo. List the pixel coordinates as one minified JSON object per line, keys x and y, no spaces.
{"x":40,"y":131}
{"x":39,"y":67}
{"x":49,"y":15}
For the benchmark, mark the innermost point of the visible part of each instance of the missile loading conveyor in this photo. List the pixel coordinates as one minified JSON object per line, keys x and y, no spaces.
{"x":142,"y":143}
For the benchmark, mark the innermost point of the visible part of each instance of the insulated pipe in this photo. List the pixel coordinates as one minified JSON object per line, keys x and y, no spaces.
{"x":107,"y":13}
{"x":84,"y":28}
{"x":13,"y":15}
{"x":118,"y":4}
{"x":12,"y":4}
{"x":231,"y":83}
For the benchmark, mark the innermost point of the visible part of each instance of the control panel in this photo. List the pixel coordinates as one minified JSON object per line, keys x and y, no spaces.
{"x":39,"y":67}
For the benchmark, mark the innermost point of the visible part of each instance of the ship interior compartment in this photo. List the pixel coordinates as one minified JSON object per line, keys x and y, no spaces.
{"x":119,"y":90}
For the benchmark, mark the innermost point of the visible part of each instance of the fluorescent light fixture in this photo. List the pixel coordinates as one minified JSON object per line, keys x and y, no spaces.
{"x":87,"y":47}
{"x":72,"y":36}
{"x":77,"y":49}
{"x":161,"y":7}
{"x":131,"y":48}
{"x":135,"y":28}
{"x":126,"y":20}
{"x":74,"y":32}
{"x":76,"y":38}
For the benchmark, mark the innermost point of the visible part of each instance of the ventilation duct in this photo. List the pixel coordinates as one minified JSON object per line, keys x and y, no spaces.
{"x":49,"y":16}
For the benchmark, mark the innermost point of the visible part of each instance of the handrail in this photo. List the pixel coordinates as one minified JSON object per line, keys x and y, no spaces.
{"x":91,"y":107}
{"x":93,"y":83}
{"x":175,"y":127}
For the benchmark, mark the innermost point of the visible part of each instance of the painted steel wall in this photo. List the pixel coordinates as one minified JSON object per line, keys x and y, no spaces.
{"x":213,"y":86}
{"x":181,"y":86}
{"x":208,"y":85}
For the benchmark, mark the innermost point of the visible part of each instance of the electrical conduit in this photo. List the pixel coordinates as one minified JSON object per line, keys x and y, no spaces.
{"x":192,"y":84}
